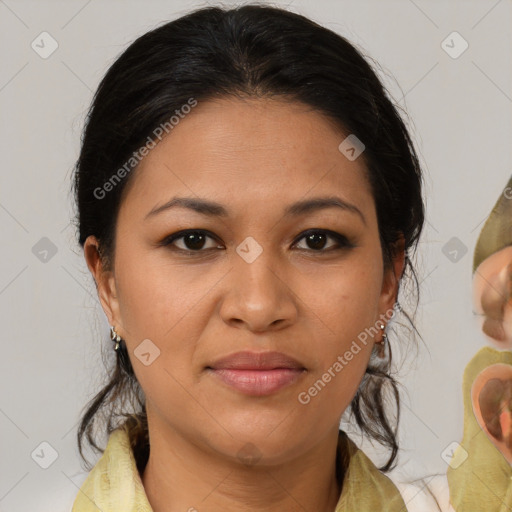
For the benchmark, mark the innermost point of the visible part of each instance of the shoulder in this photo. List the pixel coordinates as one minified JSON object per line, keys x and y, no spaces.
{"x":427,"y":494}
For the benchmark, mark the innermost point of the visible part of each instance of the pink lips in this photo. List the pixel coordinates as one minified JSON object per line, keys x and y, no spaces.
{"x":256,"y":373}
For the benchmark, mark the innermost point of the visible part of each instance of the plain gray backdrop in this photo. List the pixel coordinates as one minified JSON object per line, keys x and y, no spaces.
{"x":53,"y":328}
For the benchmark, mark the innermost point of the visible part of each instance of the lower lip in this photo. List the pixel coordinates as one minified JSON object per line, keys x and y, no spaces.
{"x":258,"y":382}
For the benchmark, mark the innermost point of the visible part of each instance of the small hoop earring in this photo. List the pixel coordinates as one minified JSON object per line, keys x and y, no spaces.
{"x":115,"y":337}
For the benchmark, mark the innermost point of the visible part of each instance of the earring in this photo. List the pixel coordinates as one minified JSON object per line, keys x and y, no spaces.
{"x":115,"y":337}
{"x":382,"y":342}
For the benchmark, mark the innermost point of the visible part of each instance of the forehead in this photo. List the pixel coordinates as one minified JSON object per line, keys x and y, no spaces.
{"x":262,"y":151}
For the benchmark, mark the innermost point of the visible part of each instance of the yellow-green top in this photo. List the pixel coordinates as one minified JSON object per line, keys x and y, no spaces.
{"x":114,"y":484}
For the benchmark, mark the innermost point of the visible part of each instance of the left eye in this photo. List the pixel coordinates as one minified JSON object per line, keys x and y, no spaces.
{"x":316,"y":239}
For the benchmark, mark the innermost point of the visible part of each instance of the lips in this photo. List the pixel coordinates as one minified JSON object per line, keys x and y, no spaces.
{"x":256,"y":361}
{"x":257,"y":373}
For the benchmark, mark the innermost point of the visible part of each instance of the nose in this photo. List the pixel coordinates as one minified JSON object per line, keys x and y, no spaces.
{"x":259,"y":296}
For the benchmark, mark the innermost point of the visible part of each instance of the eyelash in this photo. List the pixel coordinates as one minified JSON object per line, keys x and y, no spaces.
{"x":342,"y":242}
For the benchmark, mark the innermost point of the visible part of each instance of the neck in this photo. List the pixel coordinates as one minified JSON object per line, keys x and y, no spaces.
{"x":180,"y":476}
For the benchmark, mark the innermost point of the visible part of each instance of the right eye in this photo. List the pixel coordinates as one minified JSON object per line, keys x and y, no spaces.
{"x":192,"y":240}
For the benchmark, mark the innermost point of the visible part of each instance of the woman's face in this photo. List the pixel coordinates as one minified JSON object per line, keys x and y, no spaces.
{"x":252,"y":280}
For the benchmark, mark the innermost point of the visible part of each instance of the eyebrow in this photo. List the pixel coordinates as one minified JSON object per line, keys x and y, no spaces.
{"x":213,"y":209}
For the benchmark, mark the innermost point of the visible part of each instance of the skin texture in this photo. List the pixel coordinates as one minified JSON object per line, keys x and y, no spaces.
{"x":491,"y":395}
{"x":255,"y":157}
{"x":492,"y":294}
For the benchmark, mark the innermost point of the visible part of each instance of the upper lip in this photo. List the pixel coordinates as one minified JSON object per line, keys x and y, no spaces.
{"x":246,"y":360}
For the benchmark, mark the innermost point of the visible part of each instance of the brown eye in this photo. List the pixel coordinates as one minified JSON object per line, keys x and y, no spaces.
{"x":316,"y":240}
{"x":193,"y":241}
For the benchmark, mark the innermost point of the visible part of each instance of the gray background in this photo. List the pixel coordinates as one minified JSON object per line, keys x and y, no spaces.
{"x":52,"y":325}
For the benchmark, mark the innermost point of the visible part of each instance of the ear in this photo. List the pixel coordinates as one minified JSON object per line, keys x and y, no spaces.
{"x":391,"y":278}
{"x":105,"y":281}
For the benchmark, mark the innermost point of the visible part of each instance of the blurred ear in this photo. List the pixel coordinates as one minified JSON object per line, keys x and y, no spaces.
{"x":392,"y":274}
{"x":104,"y":279}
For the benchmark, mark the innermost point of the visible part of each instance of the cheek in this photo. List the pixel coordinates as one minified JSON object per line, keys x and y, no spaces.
{"x":162,"y":304}
{"x":346,"y":299}
{"x":154,"y":295}
{"x":345,"y":306}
